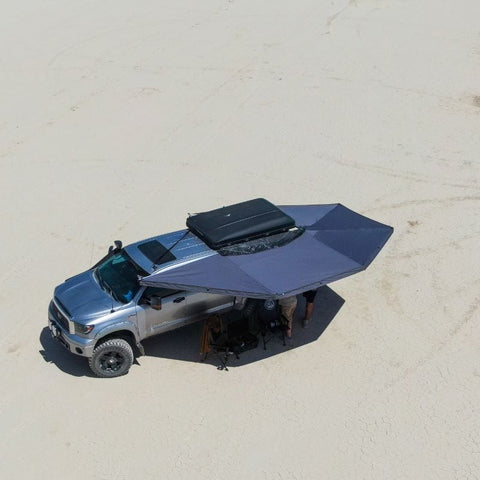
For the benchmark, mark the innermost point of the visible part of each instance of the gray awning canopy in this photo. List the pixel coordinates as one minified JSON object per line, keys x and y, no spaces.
{"x":336,"y":243}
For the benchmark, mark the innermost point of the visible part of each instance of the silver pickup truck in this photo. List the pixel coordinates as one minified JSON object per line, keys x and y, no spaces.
{"x":104,"y":313}
{"x":252,"y":249}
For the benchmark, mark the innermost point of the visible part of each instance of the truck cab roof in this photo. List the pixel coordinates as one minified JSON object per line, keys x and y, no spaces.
{"x":168,"y":249}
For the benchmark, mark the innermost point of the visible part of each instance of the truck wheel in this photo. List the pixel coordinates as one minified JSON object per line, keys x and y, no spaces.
{"x":111,"y":358}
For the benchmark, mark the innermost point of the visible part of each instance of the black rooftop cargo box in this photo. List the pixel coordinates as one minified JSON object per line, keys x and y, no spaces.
{"x":240,"y":222}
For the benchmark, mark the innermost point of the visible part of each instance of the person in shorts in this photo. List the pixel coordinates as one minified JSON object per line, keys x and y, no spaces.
{"x":309,"y":298}
{"x":287,"y":306}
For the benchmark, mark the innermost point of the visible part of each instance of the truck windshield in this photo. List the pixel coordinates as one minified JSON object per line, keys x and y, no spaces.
{"x":118,"y":276}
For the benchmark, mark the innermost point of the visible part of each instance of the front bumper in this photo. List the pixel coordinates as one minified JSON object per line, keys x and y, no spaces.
{"x":73,"y":343}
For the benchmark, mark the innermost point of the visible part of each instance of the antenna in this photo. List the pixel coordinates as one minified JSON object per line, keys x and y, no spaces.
{"x":155,"y":263}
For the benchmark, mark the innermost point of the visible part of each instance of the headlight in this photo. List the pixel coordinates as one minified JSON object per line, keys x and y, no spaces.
{"x":82,"y":329}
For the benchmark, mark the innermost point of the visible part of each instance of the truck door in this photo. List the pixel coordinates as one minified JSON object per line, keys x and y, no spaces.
{"x":161,"y":309}
{"x":202,"y":304}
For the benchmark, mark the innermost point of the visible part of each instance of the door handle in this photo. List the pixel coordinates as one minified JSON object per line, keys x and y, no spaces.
{"x":179,"y":299}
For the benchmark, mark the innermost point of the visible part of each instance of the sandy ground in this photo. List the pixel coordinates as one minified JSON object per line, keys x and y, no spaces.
{"x":117,"y":118}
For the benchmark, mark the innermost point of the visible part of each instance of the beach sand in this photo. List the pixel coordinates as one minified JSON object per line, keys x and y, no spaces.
{"x":118,"y":119}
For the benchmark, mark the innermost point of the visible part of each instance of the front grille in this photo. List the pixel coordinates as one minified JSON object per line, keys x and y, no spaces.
{"x":59,"y":317}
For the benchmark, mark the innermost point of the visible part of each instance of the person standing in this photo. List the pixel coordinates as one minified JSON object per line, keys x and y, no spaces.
{"x":309,"y":299}
{"x":287,"y":307}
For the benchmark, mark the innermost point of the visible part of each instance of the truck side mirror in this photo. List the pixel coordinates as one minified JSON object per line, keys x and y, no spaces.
{"x":156,"y":303}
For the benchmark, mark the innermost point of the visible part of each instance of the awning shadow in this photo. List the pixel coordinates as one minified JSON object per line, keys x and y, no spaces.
{"x":184,"y":344}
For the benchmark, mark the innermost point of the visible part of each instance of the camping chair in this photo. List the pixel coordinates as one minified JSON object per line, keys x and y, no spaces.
{"x":215,"y":339}
{"x":265,"y":318}
{"x":225,"y":336}
{"x":272,"y":324}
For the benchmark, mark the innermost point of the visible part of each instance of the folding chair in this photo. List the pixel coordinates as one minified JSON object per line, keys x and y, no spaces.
{"x":266,"y":319}
{"x":215,"y":339}
{"x":275,"y":328}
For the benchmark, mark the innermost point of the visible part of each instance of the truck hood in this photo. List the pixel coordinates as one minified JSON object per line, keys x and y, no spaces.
{"x":83,"y":299}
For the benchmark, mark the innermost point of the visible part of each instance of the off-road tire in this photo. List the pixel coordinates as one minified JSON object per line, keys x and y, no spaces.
{"x":112,"y":358}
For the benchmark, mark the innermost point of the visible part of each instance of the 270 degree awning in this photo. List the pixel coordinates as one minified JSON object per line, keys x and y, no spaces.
{"x":336,"y":243}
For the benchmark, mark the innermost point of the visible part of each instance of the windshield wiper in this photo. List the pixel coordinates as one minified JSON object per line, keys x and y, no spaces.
{"x":110,"y":290}
{"x":99,"y":278}
{"x":105,"y":286}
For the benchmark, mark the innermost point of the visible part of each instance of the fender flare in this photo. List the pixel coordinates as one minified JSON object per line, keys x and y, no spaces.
{"x":118,"y":327}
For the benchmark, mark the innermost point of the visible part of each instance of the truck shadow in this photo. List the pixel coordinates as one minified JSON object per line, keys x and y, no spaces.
{"x":184,"y":344}
{"x":55,"y":353}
